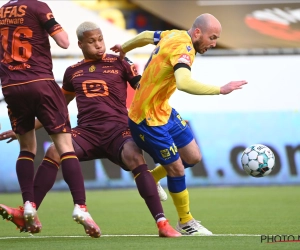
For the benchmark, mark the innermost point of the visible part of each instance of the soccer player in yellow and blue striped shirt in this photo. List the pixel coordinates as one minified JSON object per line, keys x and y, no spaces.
{"x":156,"y":127}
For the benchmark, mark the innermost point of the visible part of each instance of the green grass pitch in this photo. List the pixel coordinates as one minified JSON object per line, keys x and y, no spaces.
{"x":236,"y":215}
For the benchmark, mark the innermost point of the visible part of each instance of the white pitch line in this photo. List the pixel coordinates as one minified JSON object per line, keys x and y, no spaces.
{"x":129,"y":235}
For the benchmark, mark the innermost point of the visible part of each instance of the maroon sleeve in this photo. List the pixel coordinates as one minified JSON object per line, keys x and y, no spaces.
{"x":67,"y":81}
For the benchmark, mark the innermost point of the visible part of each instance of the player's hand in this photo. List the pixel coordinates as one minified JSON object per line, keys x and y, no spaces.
{"x":231,"y":86}
{"x":8,"y":135}
{"x":118,"y":49}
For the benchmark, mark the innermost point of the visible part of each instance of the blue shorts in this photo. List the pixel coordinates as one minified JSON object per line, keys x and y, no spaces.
{"x":161,"y":142}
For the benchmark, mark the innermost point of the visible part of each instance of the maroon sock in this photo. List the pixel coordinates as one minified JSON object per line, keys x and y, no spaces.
{"x":44,"y":179}
{"x":147,"y":189}
{"x":25,"y":173}
{"x":72,"y":174}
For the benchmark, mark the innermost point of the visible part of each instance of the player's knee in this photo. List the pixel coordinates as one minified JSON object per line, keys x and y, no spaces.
{"x":175,"y":172}
{"x":52,"y":153}
{"x":193,"y":159}
{"x":192,"y":162}
{"x":175,"y":169}
{"x":132,"y":156}
{"x":133,"y":160}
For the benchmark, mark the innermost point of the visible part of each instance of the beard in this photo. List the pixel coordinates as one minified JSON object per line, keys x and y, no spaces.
{"x":197,"y":44}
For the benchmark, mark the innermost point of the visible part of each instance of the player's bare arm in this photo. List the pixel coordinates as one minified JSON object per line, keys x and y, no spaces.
{"x":62,"y":40}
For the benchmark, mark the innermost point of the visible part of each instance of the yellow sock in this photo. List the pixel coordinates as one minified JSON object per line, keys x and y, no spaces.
{"x":158,"y":173}
{"x":182,"y":204}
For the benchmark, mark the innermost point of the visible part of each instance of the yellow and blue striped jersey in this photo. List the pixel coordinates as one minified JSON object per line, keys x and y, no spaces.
{"x":151,"y":99}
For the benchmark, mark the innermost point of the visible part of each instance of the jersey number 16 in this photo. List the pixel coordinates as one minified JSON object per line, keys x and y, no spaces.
{"x":21,"y":49}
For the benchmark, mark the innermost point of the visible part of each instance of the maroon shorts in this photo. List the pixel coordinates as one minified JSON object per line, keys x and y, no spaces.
{"x":41,"y":99}
{"x":92,"y":143}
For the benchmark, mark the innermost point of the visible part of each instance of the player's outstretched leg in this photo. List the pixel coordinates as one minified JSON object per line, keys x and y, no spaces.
{"x":32,"y":222}
{"x":192,"y":227}
{"x":82,"y":216}
{"x":161,"y":192}
{"x":15,"y":215}
{"x":166,"y":230}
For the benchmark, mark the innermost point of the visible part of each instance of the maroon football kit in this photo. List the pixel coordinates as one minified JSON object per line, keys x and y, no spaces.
{"x":26,"y":74}
{"x":30,"y":92}
{"x":101,"y":90}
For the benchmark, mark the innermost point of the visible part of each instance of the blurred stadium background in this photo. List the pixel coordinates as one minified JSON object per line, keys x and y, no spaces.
{"x":259,"y":43}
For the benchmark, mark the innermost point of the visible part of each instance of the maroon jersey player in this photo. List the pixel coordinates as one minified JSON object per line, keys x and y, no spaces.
{"x":101,"y":90}
{"x":30,"y":91}
{"x":99,"y":83}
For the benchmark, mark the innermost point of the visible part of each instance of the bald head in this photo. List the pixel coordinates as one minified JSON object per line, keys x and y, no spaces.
{"x":205,"y":22}
{"x":204,"y":32}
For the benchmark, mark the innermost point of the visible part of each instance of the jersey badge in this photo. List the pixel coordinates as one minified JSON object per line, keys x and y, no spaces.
{"x":92,"y":68}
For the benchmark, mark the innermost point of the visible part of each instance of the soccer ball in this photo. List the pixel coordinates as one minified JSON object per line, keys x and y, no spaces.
{"x":258,"y":160}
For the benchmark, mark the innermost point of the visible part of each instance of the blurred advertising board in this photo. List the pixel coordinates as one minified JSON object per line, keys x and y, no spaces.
{"x":222,"y":137}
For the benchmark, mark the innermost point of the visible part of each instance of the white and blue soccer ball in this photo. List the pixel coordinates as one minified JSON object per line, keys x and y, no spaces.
{"x":258,"y":160}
